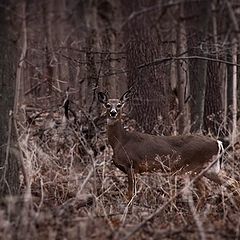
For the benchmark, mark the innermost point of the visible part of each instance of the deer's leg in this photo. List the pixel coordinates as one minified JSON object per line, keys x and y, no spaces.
{"x":131,"y":183}
{"x":202,"y":193}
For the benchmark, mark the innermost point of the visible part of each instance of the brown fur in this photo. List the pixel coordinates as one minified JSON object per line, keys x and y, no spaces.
{"x":142,"y":151}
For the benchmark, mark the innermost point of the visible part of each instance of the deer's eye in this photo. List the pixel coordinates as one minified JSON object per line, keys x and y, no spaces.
{"x":119,"y":105}
{"x":107,"y":105}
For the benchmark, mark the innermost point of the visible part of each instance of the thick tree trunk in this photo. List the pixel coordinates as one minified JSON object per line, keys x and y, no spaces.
{"x":64,"y":67}
{"x":213,"y":111}
{"x":152,"y":103}
{"x":9,"y":165}
{"x":197,"y":16}
{"x":213,"y":107}
{"x":106,"y":17}
{"x":92,"y":77}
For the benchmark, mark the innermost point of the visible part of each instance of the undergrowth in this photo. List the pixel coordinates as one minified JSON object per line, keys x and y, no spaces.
{"x":71,"y":190}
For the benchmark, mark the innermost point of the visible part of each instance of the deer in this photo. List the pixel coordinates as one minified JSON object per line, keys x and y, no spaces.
{"x":136,"y":152}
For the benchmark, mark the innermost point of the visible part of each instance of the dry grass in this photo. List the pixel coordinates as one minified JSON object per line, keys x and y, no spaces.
{"x":73,"y":194}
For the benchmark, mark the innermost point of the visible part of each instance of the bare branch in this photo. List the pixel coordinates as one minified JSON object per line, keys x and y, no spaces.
{"x":167,"y":59}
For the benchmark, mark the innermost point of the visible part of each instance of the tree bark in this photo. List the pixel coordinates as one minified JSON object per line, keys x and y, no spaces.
{"x":50,"y":57}
{"x":197,"y":16}
{"x":234,"y":93}
{"x":65,"y":69}
{"x":213,"y":107}
{"x":229,"y":84}
{"x":106,"y":18}
{"x":182,"y":89}
{"x":91,"y":68}
{"x":213,"y":111}
{"x":152,"y":103}
{"x":9,"y":164}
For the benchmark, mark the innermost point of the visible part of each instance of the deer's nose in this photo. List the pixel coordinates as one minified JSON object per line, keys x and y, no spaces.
{"x":113,"y":113}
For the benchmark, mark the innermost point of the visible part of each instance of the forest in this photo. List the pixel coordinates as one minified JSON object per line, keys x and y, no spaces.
{"x":167,"y":72}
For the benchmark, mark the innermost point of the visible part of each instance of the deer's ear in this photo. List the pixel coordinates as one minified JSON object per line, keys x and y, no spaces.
{"x":126,"y":96}
{"x":102,"y":97}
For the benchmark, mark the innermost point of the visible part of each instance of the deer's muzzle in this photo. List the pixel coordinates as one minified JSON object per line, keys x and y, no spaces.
{"x":113,"y":113}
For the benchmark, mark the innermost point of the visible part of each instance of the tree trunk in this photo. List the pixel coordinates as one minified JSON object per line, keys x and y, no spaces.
{"x":9,"y":164}
{"x":213,"y":107}
{"x":153,"y":100}
{"x":197,"y":16}
{"x":234,"y":93}
{"x":50,"y":57}
{"x":91,"y":68}
{"x":213,"y":114}
{"x":106,"y":17}
{"x":182,"y":90}
{"x":229,"y":94}
{"x":64,"y":68}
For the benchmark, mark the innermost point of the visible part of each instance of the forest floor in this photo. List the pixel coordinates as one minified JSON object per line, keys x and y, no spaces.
{"x":72,"y":190}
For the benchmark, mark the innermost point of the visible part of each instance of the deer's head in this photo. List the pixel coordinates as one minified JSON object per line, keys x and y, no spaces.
{"x":113,"y":106}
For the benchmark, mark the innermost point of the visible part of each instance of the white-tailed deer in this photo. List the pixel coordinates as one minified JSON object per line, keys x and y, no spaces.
{"x":135,"y":152}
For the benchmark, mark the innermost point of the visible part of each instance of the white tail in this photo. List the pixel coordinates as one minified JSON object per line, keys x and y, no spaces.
{"x":136,"y":152}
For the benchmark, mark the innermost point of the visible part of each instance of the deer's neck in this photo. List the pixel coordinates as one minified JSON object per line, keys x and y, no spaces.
{"x":115,"y":132}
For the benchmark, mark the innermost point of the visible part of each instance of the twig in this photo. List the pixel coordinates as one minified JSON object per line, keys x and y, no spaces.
{"x":86,"y":180}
